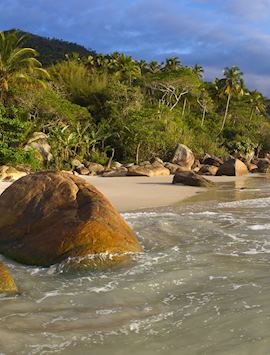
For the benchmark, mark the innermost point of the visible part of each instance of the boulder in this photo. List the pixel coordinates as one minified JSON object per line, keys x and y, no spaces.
{"x":196,"y":165}
{"x":116,"y":165}
{"x":148,"y":170}
{"x":208,"y":170}
{"x":156,"y":161}
{"x":172,"y":167}
{"x":192,"y":179}
{"x":212,"y":160}
{"x":116,"y":172}
{"x":252,"y":167}
{"x":56,"y":216}
{"x":143,"y":163}
{"x":232,"y":167}
{"x":76,"y":163}
{"x":128,"y":165}
{"x":7,"y":284}
{"x":183,"y":156}
{"x":8,"y":173}
{"x":182,"y":169}
{"x":95,"y":168}
{"x":39,"y":142}
{"x":263,"y":165}
{"x":82,"y":170}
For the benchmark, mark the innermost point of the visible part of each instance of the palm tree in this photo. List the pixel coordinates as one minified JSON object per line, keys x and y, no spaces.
{"x":143,"y":66}
{"x":231,"y":85}
{"x":172,"y":63}
{"x":153,"y":67}
{"x":128,"y":67}
{"x":257,"y":103}
{"x":17,"y":64}
{"x":198,"y":71}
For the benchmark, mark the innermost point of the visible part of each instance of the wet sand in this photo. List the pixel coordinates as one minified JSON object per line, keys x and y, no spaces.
{"x":134,"y":193}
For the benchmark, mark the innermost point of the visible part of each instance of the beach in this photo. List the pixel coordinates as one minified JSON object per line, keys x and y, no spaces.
{"x":137,"y":193}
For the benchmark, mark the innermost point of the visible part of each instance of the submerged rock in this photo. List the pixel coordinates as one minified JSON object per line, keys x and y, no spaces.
{"x":7,"y":284}
{"x":55,"y":216}
{"x":191,"y":179}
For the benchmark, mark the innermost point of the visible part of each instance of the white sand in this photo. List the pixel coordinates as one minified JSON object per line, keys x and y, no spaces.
{"x":133,"y":193}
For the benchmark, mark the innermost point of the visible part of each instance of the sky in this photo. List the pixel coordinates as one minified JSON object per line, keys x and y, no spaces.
{"x":211,"y":33}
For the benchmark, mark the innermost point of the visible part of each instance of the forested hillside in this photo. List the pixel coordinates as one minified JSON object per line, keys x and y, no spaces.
{"x":93,"y":106}
{"x":51,"y":50}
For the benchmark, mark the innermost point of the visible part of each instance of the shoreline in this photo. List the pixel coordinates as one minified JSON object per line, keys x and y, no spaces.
{"x":138,"y":193}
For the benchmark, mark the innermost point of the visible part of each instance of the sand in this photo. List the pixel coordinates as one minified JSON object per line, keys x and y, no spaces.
{"x":136,"y":193}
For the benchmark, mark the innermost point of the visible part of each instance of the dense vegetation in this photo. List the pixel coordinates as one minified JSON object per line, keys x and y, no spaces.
{"x":94,"y":106}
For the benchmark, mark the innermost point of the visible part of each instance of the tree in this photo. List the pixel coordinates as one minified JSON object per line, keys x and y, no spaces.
{"x":154,"y":67}
{"x":256,"y":102}
{"x":198,"y":71}
{"x":205,"y":102}
{"x":128,"y":68}
{"x":231,"y":85}
{"x":172,"y":63}
{"x":17,"y":64}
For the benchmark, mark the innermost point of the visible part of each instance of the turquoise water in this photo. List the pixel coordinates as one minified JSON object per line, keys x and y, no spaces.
{"x":201,"y":287}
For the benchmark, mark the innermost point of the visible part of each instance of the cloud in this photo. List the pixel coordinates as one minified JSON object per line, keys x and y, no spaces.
{"x":214,"y":34}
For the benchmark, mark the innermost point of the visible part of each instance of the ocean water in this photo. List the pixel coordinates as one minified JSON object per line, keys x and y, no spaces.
{"x":202,"y":286}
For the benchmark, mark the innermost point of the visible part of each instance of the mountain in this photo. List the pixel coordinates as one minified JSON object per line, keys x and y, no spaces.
{"x":52,"y":50}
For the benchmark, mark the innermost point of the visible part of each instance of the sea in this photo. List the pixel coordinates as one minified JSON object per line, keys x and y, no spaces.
{"x":201,"y":286}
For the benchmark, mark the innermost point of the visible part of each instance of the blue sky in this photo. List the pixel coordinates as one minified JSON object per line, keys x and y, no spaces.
{"x":212,"y":33}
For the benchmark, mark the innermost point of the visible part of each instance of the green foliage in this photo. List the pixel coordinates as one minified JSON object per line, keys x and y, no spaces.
{"x":18,"y":65}
{"x":97,"y":104}
{"x":14,"y":129}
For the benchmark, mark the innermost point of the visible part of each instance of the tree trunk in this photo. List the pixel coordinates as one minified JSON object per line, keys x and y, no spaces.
{"x":203,"y":116}
{"x":226,"y":113}
{"x":111,"y":159}
{"x":137,"y":153}
{"x":184,"y":107}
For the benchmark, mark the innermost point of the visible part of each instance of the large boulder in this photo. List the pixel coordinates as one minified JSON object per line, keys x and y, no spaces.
{"x":148,"y":170}
{"x":183,"y":156}
{"x":7,"y":284}
{"x":8,"y":173}
{"x":39,"y":143}
{"x":192,"y":179}
{"x":232,"y":167}
{"x":46,"y":218}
